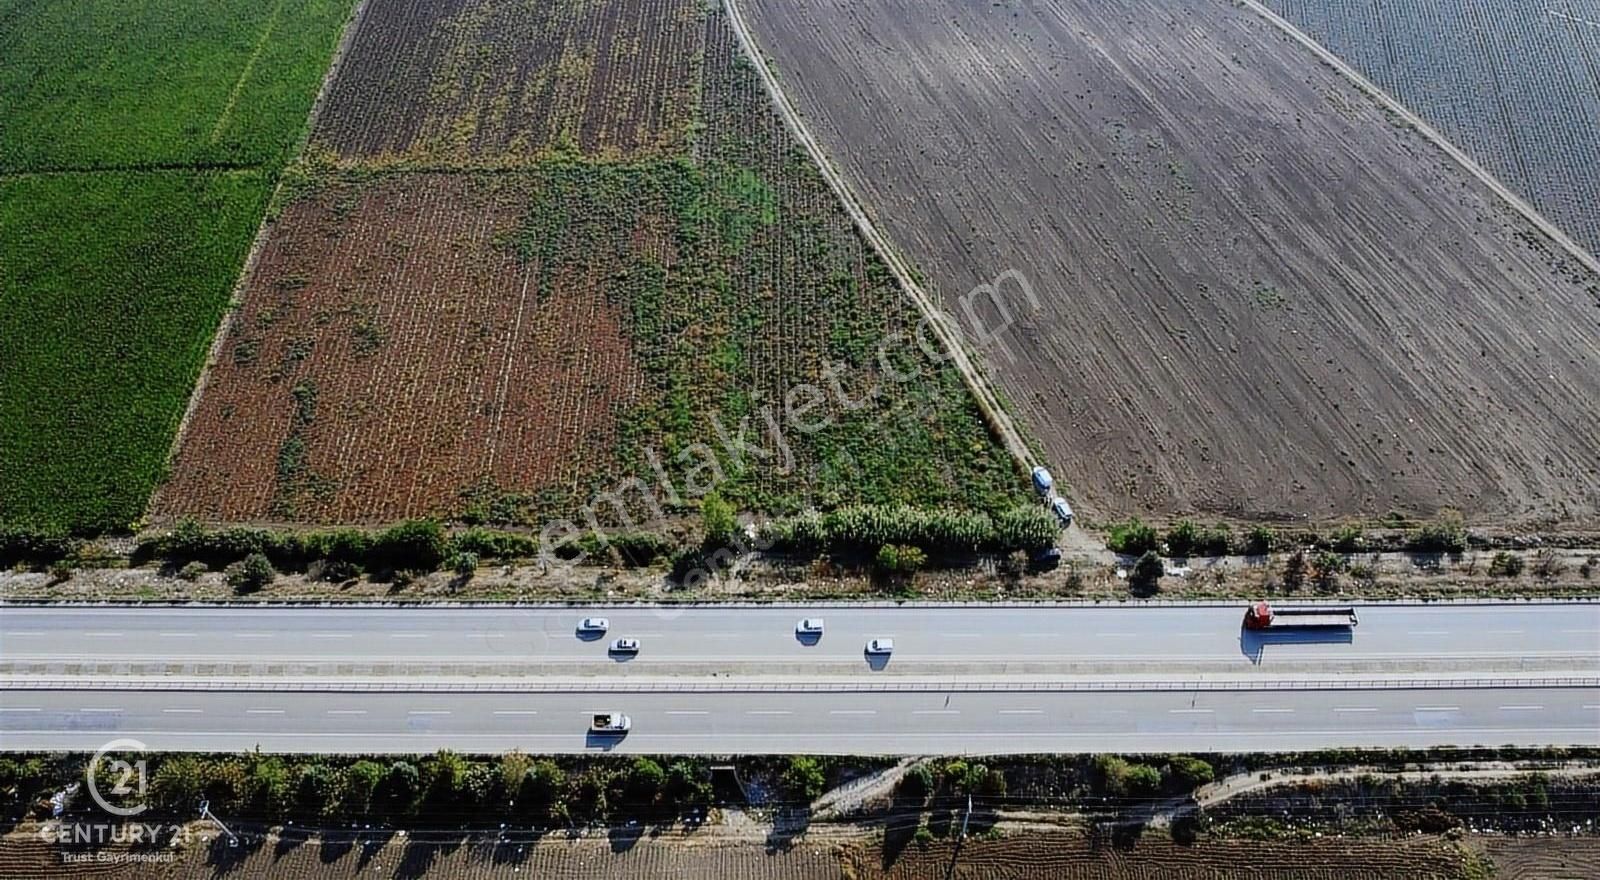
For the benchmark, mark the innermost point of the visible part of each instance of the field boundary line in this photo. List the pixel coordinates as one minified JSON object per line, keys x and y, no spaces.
{"x":994,"y":413}
{"x":236,"y":298}
{"x":244,"y":74}
{"x":1373,"y":90}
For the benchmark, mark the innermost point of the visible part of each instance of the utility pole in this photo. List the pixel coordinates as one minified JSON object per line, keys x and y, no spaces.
{"x":967,"y":817}
{"x":205,"y":813}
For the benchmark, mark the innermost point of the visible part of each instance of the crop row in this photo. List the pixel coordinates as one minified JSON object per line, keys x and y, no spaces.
{"x":481,"y":82}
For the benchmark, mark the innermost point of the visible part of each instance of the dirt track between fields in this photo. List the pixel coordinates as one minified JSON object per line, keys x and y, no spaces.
{"x":1261,"y":293}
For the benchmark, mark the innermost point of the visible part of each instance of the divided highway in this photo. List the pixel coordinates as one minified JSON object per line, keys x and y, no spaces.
{"x":981,"y":679}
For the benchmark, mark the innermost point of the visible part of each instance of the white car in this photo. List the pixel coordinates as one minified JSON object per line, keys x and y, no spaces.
{"x":625,"y":646}
{"x":1062,"y":510}
{"x":594,"y":625}
{"x":811,"y":626}
{"x":880,"y":646}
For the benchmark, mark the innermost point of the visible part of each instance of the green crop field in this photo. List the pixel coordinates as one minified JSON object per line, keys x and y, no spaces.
{"x":139,"y":146}
{"x":111,"y":285}
{"x":141,"y":83}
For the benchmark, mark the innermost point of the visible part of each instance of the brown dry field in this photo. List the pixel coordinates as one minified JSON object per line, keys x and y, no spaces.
{"x":24,"y":856}
{"x":1075,"y":857}
{"x":490,"y":82}
{"x":1260,"y":297}
{"x":1543,"y":858}
{"x":392,"y":354}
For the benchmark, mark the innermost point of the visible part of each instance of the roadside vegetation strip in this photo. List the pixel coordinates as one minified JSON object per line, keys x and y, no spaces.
{"x":994,"y":412}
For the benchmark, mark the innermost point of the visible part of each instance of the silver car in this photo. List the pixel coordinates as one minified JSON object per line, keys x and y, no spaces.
{"x":625,"y":646}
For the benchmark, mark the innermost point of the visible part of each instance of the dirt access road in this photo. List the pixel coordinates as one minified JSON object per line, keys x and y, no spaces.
{"x":1261,"y":294}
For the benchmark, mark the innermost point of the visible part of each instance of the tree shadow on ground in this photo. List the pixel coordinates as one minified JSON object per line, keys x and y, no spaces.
{"x":788,"y":825}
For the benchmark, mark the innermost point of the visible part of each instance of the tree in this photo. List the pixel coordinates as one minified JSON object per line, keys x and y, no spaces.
{"x":1147,"y":572}
{"x":418,"y":545}
{"x":1325,"y":572}
{"x":644,"y":783}
{"x":226,"y":784}
{"x":315,"y":791}
{"x":1294,"y":572}
{"x":1506,"y":564}
{"x":1143,"y":780}
{"x":401,"y":787}
{"x":269,"y":787}
{"x":1181,"y":538}
{"x":718,"y":518}
{"x":686,"y":786}
{"x":917,"y":784}
{"x":1188,"y":773}
{"x":250,"y":574}
{"x":900,"y":559}
{"x":446,"y":777}
{"x":359,"y":784}
{"x":1132,"y":537}
{"x":466,"y":565}
{"x":804,"y":779}
{"x":1259,"y":540}
{"x":993,"y":784}
{"x":176,"y":785}
{"x":542,"y":788}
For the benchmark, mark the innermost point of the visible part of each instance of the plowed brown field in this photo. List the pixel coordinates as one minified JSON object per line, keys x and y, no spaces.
{"x":392,"y":354}
{"x":1071,"y":857}
{"x":1259,"y":296}
{"x":493,"y":82}
{"x":1544,"y":858}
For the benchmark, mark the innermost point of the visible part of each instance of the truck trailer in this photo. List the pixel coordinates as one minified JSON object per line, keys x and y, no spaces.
{"x":1262,"y":616}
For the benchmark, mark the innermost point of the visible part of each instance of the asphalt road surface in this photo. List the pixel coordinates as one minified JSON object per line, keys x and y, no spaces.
{"x":754,"y":641}
{"x":926,"y":722}
{"x":961,"y":679}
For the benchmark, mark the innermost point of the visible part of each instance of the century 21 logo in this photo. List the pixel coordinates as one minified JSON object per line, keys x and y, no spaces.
{"x":124,"y":779}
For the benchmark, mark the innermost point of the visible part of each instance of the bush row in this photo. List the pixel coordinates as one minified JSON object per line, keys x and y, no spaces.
{"x":1187,"y":538}
{"x":862,"y":530}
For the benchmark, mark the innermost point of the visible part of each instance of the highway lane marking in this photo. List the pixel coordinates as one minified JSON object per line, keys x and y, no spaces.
{"x":1190,"y":711}
{"x":105,"y":635}
{"x":263,"y":711}
{"x":20,"y":633}
{"x":1438,"y":709}
{"x":1354,"y":709}
{"x":769,"y":712}
{"x":1506,"y":632}
{"x":19,"y":708}
{"x":687,"y":712}
{"x":176,"y":635}
{"x":1272,"y":711}
{"x":98,"y":711}
{"x":852,"y":711}
{"x":347,"y":711}
{"x":1426,"y":632}
{"x":936,"y":711}
{"x":332,"y":635}
{"x":429,"y":712}
{"x":515,"y":712}
{"x":1594,"y":630}
{"x":183,"y":711}
{"x":1021,"y":712}
{"x":408,"y":635}
{"x":252,"y":635}
{"x":1117,"y":635}
{"x":1521,"y":708}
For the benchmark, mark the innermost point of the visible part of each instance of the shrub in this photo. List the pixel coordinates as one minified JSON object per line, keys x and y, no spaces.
{"x":686,"y":785}
{"x":900,"y":559}
{"x":1132,"y":537}
{"x":20,"y":546}
{"x":1447,"y":536}
{"x":1506,"y":564}
{"x":1147,"y":572}
{"x":192,"y":571}
{"x":1294,"y":572}
{"x":251,"y":574}
{"x":1348,"y":539}
{"x":1325,"y":571}
{"x":923,"y":836}
{"x":1259,"y":541}
{"x":1143,"y":780}
{"x":315,"y":790}
{"x":267,"y":787}
{"x":803,"y":779}
{"x":401,"y":788}
{"x":466,"y":565}
{"x":418,"y":545}
{"x":1182,"y":537}
{"x":717,"y":519}
{"x":644,"y":783}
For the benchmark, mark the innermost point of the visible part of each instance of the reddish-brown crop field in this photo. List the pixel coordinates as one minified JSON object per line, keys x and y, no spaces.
{"x":392,"y":354}
{"x":496,"y":82}
{"x":1259,"y":296}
